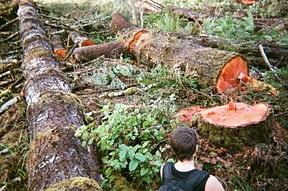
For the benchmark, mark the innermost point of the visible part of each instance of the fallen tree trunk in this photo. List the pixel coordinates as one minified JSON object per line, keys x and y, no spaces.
{"x":87,"y":53}
{"x":276,"y":53}
{"x":211,"y":66}
{"x":56,"y":158}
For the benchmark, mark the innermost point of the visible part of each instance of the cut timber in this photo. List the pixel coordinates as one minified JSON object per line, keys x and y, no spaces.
{"x":235,"y":127}
{"x":211,"y":66}
{"x":87,"y":53}
{"x":56,"y":157}
{"x":80,"y":40}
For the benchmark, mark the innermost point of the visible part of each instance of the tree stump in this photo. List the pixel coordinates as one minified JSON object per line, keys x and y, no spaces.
{"x":211,"y":66}
{"x":235,"y":127}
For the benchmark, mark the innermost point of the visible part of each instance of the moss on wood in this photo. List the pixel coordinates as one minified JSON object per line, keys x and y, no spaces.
{"x":76,"y":183}
{"x":234,"y":139}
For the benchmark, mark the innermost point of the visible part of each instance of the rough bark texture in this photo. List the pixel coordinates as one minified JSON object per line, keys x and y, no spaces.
{"x":111,"y":49}
{"x":275,"y":52}
{"x":152,"y":48}
{"x":53,"y":113}
{"x":234,"y":137}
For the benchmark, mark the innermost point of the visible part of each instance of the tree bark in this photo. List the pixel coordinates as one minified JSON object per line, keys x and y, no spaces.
{"x":87,"y":53}
{"x":276,"y":53}
{"x":53,"y":113}
{"x":211,"y":66}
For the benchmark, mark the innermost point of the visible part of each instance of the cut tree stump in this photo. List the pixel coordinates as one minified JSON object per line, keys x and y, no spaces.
{"x":211,"y":66}
{"x":232,"y":126}
{"x":56,"y":158}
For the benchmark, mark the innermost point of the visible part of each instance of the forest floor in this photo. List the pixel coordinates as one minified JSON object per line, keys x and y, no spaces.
{"x":153,"y":96}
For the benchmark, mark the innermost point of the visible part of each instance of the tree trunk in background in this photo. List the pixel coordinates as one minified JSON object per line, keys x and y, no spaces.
{"x":110,"y":49}
{"x":56,"y":158}
{"x":211,"y":66}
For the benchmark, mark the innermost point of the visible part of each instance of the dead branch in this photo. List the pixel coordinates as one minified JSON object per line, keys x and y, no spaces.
{"x":9,"y":104}
{"x":9,"y":23}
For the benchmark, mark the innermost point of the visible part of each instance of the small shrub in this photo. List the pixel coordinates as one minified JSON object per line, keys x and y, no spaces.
{"x":131,"y":142}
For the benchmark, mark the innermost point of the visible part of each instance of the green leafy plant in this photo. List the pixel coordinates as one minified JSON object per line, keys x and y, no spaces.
{"x":229,"y":27}
{"x":131,"y":142}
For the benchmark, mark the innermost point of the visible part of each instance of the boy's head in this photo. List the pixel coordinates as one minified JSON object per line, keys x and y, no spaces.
{"x":184,"y":141}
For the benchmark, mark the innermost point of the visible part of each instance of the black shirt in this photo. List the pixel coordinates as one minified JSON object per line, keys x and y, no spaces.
{"x":174,"y":180}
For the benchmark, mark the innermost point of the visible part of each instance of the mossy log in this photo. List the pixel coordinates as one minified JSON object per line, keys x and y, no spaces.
{"x":235,"y":127}
{"x":53,"y":113}
{"x":211,"y":66}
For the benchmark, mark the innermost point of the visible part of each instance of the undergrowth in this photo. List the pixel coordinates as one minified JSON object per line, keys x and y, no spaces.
{"x":132,"y":142}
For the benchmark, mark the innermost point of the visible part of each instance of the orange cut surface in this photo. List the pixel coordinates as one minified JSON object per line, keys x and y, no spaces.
{"x":248,"y":2}
{"x":243,"y":115}
{"x":229,"y":76}
{"x":60,"y":52}
{"x":186,"y":114}
{"x":87,"y":43}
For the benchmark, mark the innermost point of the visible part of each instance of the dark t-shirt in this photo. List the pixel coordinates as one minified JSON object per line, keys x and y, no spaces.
{"x":174,"y":180}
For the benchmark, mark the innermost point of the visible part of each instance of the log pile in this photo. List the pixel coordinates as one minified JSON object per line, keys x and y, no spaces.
{"x":232,"y":125}
{"x":56,"y":159}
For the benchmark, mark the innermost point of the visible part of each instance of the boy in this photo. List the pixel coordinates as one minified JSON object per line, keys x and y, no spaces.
{"x":183,"y":176}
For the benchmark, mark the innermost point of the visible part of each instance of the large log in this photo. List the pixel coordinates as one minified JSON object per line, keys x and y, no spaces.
{"x":274,"y":52}
{"x":211,"y":66}
{"x":56,"y":158}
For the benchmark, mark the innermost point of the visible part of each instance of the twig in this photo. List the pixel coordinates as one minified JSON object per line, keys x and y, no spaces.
{"x":5,"y":83}
{"x":70,"y":52}
{"x":10,"y":37}
{"x":261,"y":49}
{"x":5,"y":93}
{"x":14,"y":85}
{"x":13,"y":61}
{"x":7,"y":73}
{"x":257,"y":70}
{"x":8,"y":23}
{"x":9,"y":104}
